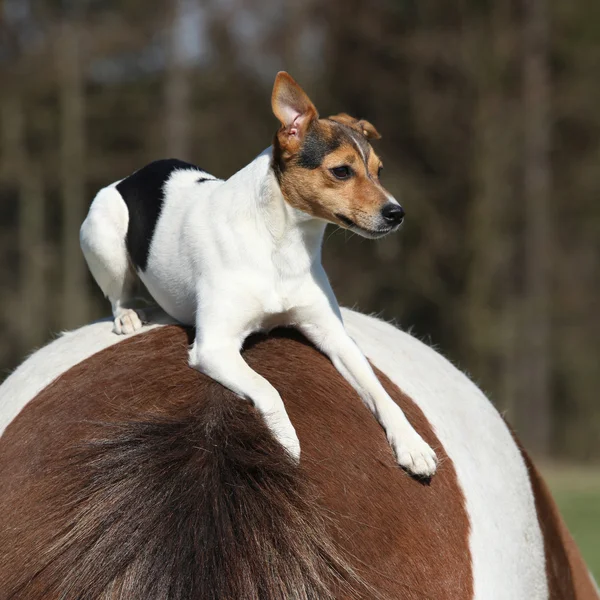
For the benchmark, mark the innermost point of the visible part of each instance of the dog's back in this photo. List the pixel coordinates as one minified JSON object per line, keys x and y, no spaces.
{"x":154,"y":191}
{"x":145,"y":214}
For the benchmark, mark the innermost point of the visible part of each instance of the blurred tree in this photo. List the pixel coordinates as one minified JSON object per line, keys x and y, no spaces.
{"x":29,"y":316}
{"x":491,"y":305}
{"x":536,"y":420}
{"x":177,"y":84}
{"x":466,"y":95}
{"x":70,"y":65}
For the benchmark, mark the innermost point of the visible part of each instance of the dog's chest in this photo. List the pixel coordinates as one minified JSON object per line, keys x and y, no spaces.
{"x":275,"y":282}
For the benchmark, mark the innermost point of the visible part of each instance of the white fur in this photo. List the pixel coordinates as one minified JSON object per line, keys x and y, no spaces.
{"x":109,"y":215}
{"x":232,"y":258}
{"x":360,"y":150}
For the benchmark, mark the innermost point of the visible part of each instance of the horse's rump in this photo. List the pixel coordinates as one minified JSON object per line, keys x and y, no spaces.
{"x":132,"y":476}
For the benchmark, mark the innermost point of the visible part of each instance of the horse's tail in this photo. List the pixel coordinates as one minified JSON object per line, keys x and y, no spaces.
{"x":201,"y":504}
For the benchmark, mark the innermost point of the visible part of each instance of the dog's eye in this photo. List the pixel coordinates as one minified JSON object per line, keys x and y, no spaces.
{"x":344,"y":172}
{"x":379,"y":171}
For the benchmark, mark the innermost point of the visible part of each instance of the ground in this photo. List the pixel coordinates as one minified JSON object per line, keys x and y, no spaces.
{"x":577,"y":492}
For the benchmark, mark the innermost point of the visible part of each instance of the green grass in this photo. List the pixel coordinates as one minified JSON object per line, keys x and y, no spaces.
{"x":577,"y":493}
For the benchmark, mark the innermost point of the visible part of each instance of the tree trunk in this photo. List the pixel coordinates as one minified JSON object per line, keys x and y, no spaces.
{"x":31,"y":312}
{"x":489,"y":294}
{"x":177,"y":87}
{"x":534,"y":422}
{"x":75,"y":299}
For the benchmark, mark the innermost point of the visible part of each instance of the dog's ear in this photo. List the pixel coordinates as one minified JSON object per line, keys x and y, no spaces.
{"x":293,"y":108}
{"x":361,"y":125}
{"x":369,"y":130}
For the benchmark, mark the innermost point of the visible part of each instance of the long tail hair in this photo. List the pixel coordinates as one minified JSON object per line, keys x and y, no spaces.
{"x":202,"y":505}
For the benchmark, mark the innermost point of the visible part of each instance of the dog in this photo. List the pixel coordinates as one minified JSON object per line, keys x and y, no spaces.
{"x":237,"y":256}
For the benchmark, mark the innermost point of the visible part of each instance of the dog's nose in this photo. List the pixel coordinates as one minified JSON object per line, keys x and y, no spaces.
{"x":393,"y":214}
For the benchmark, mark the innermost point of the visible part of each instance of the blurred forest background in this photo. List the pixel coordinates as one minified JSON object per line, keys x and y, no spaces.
{"x":490,"y":115}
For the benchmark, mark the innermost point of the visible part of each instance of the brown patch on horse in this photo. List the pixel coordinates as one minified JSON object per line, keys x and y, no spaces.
{"x":134,"y":477}
{"x":567,"y":573}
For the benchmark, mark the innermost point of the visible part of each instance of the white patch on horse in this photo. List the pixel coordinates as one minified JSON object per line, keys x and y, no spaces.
{"x":506,"y":542}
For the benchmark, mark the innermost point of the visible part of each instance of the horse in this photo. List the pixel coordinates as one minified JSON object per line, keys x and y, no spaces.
{"x":127,"y":475}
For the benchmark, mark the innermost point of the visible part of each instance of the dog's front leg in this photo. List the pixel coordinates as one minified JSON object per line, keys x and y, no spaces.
{"x":221,"y":360}
{"x":326,"y":331}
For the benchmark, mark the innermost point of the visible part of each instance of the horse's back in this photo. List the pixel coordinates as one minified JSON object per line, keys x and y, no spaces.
{"x":125,"y":474}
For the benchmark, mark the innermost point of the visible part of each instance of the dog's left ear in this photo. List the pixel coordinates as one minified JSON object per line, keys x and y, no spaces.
{"x":361,"y":125}
{"x":293,"y":108}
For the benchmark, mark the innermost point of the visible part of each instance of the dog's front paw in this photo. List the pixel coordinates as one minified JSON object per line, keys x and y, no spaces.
{"x":414,"y":454}
{"x":127,"y":322}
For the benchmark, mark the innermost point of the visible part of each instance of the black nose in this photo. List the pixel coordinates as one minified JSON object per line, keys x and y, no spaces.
{"x":393,"y":214}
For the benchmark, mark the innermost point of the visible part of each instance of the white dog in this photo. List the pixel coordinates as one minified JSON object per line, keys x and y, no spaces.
{"x":244,"y":255}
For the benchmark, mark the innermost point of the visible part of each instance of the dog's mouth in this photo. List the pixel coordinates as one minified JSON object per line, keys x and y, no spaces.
{"x":368,"y":233}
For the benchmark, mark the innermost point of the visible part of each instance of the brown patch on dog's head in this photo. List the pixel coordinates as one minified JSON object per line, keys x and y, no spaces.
{"x":327,"y":167}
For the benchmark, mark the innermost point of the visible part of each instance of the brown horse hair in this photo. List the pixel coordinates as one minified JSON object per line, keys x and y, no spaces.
{"x":198,"y":508}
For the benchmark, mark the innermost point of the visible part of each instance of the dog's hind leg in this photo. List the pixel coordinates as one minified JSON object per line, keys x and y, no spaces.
{"x":102,"y":238}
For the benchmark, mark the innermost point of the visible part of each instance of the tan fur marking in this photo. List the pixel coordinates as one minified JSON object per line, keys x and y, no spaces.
{"x":313,"y":189}
{"x":317,"y":192}
{"x":374,"y":165}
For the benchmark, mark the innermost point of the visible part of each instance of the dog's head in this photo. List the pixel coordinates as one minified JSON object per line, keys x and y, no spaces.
{"x":327,"y":167}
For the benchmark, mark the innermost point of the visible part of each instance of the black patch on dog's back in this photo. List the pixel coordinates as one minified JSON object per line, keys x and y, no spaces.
{"x":143,"y":192}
